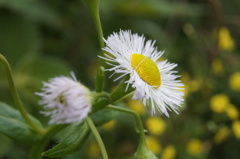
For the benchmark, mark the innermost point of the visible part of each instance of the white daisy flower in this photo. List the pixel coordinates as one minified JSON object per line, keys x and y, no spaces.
{"x":154,"y":81}
{"x":65,"y":100}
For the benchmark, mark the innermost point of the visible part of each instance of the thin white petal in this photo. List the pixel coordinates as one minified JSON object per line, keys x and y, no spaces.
{"x":120,"y":47}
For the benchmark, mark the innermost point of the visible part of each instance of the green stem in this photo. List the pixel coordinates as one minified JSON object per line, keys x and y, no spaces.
{"x":16,"y":97}
{"x":142,"y":152}
{"x":39,"y":147}
{"x":119,"y":93}
{"x":97,"y":137}
{"x":99,"y":80}
{"x":97,"y":21}
{"x":94,"y":7}
{"x":137,"y":119}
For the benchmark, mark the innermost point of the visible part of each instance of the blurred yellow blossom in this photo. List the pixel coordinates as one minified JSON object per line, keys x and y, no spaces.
{"x":93,"y":150}
{"x":190,"y":85}
{"x":236,"y":128}
{"x":169,"y":152}
{"x":219,"y":103}
{"x":221,"y":135}
{"x":225,"y":41}
{"x":109,"y":125}
{"x":185,"y":90}
{"x":188,"y":29}
{"x":232,"y":112}
{"x":195,"y":147}
{"x":155,"y":125}
{"x":153,"y":144}
{"x":136,"y":106}
{"x":194,"y":85}
{"x":234,"y":81}
{"x":185,"y":77}
{"x":217,"y":67}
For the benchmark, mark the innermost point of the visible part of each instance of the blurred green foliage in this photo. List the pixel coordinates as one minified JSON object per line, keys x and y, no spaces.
{"x":47,"y":38}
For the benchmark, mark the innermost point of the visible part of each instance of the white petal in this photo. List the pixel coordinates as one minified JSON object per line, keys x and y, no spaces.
{"x":121,"y":46}
{"x":65,"y":100}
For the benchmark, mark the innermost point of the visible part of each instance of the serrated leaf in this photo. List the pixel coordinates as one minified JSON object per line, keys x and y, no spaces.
{"x":13,"y":125}
{"x":72,"y":142}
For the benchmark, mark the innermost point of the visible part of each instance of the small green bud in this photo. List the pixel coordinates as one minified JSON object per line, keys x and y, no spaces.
{"x":144,"y":153}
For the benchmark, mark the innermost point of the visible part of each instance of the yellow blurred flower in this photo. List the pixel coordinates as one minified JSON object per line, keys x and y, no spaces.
{"x":185,"y":77}
{"x":93,"y":150}
{"x":195,"y":147}
{"x":136,"y":106}
{"x":234,"y":81}
{"x":153,"y":144}
{"x":217,"y":67}
{"x":225,"y":41}
{"x":219,"y":103}
{"x":221,"y":135}
{"x":190,"y":85}
{"x":169,"y":152}
{"x":236,"y":128}
{"x":194,"y":85}
{"x":232,"y":112}
{"x":155,"y":125}
{"x":186,"y":90}
{"x":109,"y":125}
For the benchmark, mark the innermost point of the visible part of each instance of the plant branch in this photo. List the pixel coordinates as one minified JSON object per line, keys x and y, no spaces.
{"x":16,"y":97}
{"x":137,"y":119}
{"x":94,"y":7}
{"x":97,"y":137}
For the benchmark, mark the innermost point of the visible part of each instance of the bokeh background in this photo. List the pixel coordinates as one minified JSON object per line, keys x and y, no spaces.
{"x":47,"y":38}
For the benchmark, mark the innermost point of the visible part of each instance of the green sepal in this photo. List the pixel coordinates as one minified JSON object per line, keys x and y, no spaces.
{"x":14,"y":126}
{"x":72,"y":142}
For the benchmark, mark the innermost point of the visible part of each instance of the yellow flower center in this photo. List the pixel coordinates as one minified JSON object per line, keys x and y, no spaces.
{"x":146,"y":69}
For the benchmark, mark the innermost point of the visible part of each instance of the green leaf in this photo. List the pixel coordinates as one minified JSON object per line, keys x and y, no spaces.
{"x":72,"y":142}
{"x":103,"y":116}
{"x":13,"y":125}
{"x":6,"y":146}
